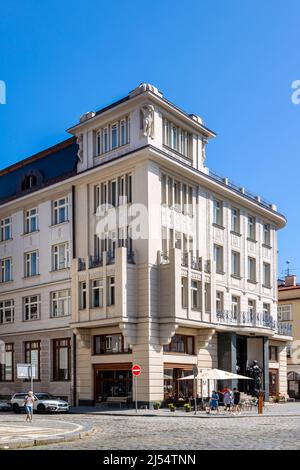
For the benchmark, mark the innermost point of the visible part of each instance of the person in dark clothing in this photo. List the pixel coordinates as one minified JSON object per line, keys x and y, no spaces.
{"x":236,"y":401}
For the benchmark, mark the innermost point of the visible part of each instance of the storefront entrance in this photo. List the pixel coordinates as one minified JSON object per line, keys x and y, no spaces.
{"x":174,"y":389}
{"x":273,"y":382}
{"x":294,"y":385}
{"x":112,"y":380}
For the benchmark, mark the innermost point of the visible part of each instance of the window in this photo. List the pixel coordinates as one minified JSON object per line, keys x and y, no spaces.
{"x":82,"y":295}
{"x":31,"y":220}
{"x":176,"y":138}
{"x":60,"y":210}
{"x":266,"y":310}
{"x":7,"y":311}
{"x":180,"y":344}
{"x":266,"y":275}
{"x":60,"y":256}
{"x":285,"y":313}
{"x":219,"y":301}
{"x":60,"y":303}
{"x":29,"y":181}
{"x":251,"y":269}
{"x":266,"y":234}
{"x":32,"y":355}
{"x":110,"y":344}
{"x":123,"y":132}
{"x":113,"y":193}
{"x":97,"y":293}
{"x":217,"y":212}
{"x":32,"y":307}
{"x":251,"y":227}
{"x":235,"y":306}
{"x":62,"y":359}
{"x":98,"y":142}
{"x":111,"y":292}
{"x":5,"y":229}
{"x":114,"y":136}
{"x":195,"y":295}
{"x":235,"y":220}
{"x":184,"y":287}
{"x":273,"y":353}
{"x":6,"y":270}
{"x":218,"y":258}
{"x":7,"y":362}
{"x":105,"y":140}
{"x":31,"y":263}
{"x":235,"y":264}
{"x":251,"y":308}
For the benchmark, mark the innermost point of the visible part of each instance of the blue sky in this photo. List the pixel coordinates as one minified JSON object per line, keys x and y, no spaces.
{"x":230,"y":61}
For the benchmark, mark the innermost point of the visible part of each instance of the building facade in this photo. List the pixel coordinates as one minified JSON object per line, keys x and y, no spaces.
{"x":144,"y":256}
{"x":289,"y":316}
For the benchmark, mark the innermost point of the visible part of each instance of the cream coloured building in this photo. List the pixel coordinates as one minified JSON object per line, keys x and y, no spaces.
{"x":168,"y":266}
{"x":289,"y":316}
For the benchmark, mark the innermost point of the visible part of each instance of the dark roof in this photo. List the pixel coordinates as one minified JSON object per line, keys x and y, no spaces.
{"x":49,"y":166}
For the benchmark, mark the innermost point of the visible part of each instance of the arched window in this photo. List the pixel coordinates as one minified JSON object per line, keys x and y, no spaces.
{"x":29,"y":181}
{"x":293,"y":376}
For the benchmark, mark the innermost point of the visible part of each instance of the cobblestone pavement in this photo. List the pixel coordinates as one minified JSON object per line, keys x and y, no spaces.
{"x":14,"y":429}
{"x":278,"y":429}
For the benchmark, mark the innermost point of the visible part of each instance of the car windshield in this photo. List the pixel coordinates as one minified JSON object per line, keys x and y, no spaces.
{"x":45,"y":396}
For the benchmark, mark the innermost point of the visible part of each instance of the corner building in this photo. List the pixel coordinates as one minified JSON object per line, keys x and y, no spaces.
{"x":198,"y":287}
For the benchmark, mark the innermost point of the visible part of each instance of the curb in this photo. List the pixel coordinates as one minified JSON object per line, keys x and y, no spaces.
{"x":22,"y":444}
{"x":188,"y":415}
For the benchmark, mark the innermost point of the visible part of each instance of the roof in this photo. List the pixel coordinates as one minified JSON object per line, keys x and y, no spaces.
{"x":49,"y":166}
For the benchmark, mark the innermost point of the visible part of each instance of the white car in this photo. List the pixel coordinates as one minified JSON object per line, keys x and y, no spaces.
{"x":44,"y":403}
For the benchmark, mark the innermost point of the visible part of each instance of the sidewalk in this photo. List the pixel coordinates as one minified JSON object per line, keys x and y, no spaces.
{"x":16,"y":433}
{"x":282,"y":409}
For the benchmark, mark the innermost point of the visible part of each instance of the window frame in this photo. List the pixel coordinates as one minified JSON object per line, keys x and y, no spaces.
{"x":4,"y":309}
{"x":5,"y":225}
{"x":28,"y":264}
{"x":57,"y":207}
{"x":30,"y":303}
{"x":57,"y":346}
{"x":28,"y":218}
{"x":56,"y":256}
{"x":3,"y":269}
{"x":30,"y":349}
{"x":56,"y":298}
{"x":8,"y":348}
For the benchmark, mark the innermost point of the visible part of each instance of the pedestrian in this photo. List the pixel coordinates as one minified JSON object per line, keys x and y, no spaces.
{"x":228,"y":399}
{"x":214,"y":401}
{"x":28,"y":403}
{"x":236,"y":401}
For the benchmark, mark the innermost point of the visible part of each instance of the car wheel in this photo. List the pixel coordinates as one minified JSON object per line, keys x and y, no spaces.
{"x":16,"y":408}
{"x":41,"y":408}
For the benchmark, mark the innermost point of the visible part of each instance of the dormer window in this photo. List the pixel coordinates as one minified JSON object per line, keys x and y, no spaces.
{"x":29,"y":182}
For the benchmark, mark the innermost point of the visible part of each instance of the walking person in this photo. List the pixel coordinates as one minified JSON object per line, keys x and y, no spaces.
{"x":28,"y":403}
{"x":214,"y":401}
{"x":236,"y":401}
{"x":228,"y":399}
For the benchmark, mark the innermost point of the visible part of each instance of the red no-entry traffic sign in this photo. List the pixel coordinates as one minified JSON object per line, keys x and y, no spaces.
{"x":136,"y":370}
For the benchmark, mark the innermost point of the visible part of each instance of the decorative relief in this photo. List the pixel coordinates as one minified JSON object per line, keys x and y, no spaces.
{"x":147,"y":120}
{"x":79,"y":142}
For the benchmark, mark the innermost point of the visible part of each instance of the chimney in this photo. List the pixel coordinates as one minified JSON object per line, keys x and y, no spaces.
{"x":290,"y":281}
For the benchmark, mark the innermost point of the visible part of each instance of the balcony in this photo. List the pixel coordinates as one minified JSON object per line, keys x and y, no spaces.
{"x":284,"y":329}
{"x":107,"y":258}
{"x":252,"y":319}
{"x":95,"y":262}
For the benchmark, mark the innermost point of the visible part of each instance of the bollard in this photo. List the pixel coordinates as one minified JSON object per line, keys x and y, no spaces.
{"x":260,"y":404}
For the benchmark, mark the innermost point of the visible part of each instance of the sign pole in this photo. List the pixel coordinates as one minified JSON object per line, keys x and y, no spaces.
{"x":135,"y":370}
{"x":135,"y":385}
